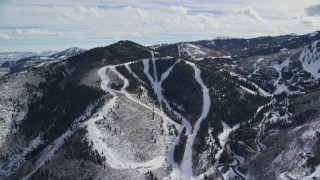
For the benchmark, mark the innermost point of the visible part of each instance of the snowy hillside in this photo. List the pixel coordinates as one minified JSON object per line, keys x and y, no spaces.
{"x":310,"y":58}
{"x":67,"y":53}
{"x":42,"y":59}
{"x":191,"y":50}
{"x":211,"y":109}
{"x":13,"y":56}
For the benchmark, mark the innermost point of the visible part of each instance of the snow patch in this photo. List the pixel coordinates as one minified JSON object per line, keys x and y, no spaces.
{"x":313,"y":34}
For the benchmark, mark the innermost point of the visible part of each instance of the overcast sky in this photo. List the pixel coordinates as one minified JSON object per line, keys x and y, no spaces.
{"x":38,"y":25}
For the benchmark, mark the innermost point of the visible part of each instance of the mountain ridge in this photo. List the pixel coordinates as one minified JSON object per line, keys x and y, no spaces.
{"x":125,"y":110}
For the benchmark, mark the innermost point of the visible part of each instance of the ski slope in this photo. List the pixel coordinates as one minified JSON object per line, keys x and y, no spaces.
{"x":310,"y":59}
{"x":95,"y":134}
{"x":183,"y":171}
{"x":186,"y":165}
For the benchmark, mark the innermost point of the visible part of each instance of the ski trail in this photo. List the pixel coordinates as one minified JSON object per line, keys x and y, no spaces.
{"x":185,"y":171}
{"x":205,"y":96}
{"x":95,"y":135}
{"x":105,"y":80}
{"x":166,"y":119}
{"x":179,"y":50}
{"x":170,"y":153}
{"x":146,"y":70}
{"x":160,"y":113}
{"x":127,"y":65}
{"x":186,"y":165}
{"x":125,"y":80}
{"x":184,"y":121}
{"x":93,"y":131}
{"x":154,"y":67}
{"x":167,"y":73}
{"x":157,"y":86}
{"x":129,"y":96}
{"x":158,"y":90}
{"x":146,"y":67}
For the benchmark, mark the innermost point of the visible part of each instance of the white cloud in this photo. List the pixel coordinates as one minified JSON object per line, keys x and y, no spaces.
{"x":35,"y":32}
{"x":140,"y":14}
{"x":125,"y":35}
{"x":308,"y":21}
{"x":178,"y":20}
{"x":4,"y":36}
{"x":250,"y":12}
{"x":149,"y":22}
{"x":179,"y":10}
{"x":78,"y":13}
{"x":313,"y":10}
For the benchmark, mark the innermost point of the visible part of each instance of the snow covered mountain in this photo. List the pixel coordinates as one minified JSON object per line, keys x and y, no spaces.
{"x":44,"y":58}
{"x":211,"y":109}
{"x":68,"y":53}
{"x":13,"y":56}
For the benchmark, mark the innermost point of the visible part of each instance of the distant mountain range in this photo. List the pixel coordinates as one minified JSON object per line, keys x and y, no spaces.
{"x":14,"y":56}
{"x":29,"y":59}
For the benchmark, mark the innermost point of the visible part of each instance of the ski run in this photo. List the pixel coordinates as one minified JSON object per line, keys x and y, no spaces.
{"x":183,"y":171}
{"x":115,"y":160}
